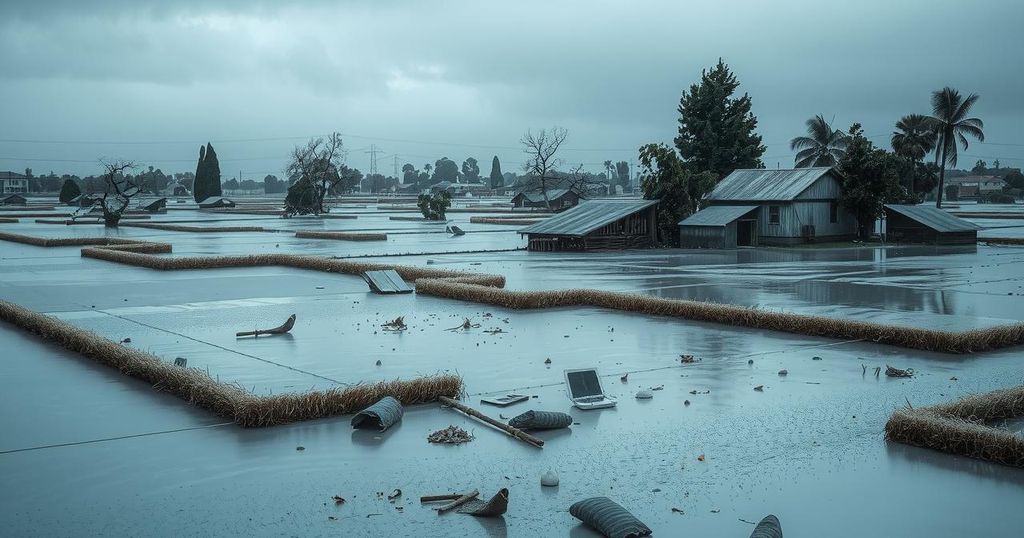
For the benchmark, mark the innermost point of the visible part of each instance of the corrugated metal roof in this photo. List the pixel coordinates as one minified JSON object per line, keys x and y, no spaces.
{"x":587,"y":217}
{"x":761,"y":184}
{"x":717,"y":215}
{"x":386,"y":281}
{"x":538,"y":196}
{"x":934,"y":218}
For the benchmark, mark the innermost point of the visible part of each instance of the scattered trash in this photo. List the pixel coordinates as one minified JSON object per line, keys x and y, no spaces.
{"x":715,"y":510}
{"x":695,"y":391}
{"x":280,"y":329}
{"x":897,"y":372}
{"x":458,"y":502}
{"x":339,"y":500}
{"x":467,"y":324}
{"x":750,"y":361}
{"x":547,"y":361}
{"x":541,"y":420}
{"x":644,"y":394}
{"x":624,"y":378}
{"x":180,"y":361}
{"x":953,"y":378}
{"x":677,"y":510}
{"x":700,"y":458}
{"x":549,"y":479}
{"x":506,"y":400}
{"x":452,"y":435}
{"x":300,"y":448}
{"x":332,"y":518}
{"x":495,"y":507}
{"x":686,"y":402}
{"x":659,"y":387}
{"x":126,"y":341}
{"x":379,"y":416}
{"x":496,"y":330}
{"x":783,"y":372}
{"x":688,"y":359}
{"x":608,"y":518}
{"x":395,"y":494}
{"x":815,"y":358}
{"x":759,"y":388}
{"x":442,"y":497}
{"x":395,"y":325}
{"x":514,"y":432}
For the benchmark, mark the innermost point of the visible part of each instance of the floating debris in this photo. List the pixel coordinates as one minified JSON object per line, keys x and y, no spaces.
{"x":280,"y":329}
{"x":688,"y":359}
{"x":644,"y":394}
{"x":496,"y":330}
{"x":759,"y":388}
{"x":395,"y":325}
{"x":549,"y":479}
{"x":700,"y":458}
{"x":783,"y":372}
{"x":624,"y":378}
{"x":300,"y":448}
{"x":467,"y":324}
{"x":126,"y":341}
{"x":695,"y":391}
{"x":339,"y":500}
{"x":452,"y":435}
{"x":897,"y":372}
{"x":395,"y":494}
{"x":815,"y":358}
{"x":547,"y":360}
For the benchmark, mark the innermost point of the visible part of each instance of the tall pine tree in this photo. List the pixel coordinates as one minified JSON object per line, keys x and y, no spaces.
{"x":207,"y":182}
{"x":497,"y":180}
{"x":717,"y":130}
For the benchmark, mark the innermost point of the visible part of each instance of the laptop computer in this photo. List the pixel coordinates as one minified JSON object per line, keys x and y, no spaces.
{"x":585,"y":389}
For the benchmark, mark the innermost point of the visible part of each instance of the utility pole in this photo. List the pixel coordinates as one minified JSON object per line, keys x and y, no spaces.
{"x":373,"y":151}
{"x":396,"y":166}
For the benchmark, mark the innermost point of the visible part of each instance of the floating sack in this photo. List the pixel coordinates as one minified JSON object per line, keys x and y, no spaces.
{"x":644,"y":394}
{"x":381,"y":415}
{"x":549,"y":479}
{"x":608,"y":518}
{"x":769,"y":527}
{"x":541,"y":420}
{"x":495,"y":507}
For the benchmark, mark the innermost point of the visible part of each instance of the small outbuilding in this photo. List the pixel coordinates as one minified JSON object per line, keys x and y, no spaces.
{"x":560,"y":199}
{"x":596,"y":225}
{"x":770,"y":207}
{"x":214,"y":202}
{"x":156,"y":206}
{"x":720,"y":226}
{"x":13,"y":199}
{"x":927,"y":224}
{"x":83,"y":200}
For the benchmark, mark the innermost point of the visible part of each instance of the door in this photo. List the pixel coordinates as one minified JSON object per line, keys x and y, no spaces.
{"x":746,"y":233}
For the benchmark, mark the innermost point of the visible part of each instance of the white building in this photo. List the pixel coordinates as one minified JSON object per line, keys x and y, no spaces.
{"x":13,"y":182}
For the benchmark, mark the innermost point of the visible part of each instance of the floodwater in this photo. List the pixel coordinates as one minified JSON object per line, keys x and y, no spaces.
{"x":809,"y":448}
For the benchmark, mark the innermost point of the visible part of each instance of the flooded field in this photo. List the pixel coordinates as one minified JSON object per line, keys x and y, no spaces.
{"x":87,"y":450}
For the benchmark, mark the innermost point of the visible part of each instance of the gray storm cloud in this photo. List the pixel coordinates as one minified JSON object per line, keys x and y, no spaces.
{"x":425,"y":80}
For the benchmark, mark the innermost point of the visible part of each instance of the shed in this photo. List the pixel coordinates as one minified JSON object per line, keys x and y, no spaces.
{"x":559,"y":198}
{"x":596,"y":224}
{"x":798,"y":205}
{"x":13,"y":199}
{"x":927,"y":224}
{"x":177,"y":189}
{"x":83,"y":200}
{"x":215,"y":201}
{"x":722,"y":226}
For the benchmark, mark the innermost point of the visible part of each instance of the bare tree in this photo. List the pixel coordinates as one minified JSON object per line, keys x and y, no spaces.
{"x":317,"y":165}
{"x":118,"y":190}
{"x":541,"y":150}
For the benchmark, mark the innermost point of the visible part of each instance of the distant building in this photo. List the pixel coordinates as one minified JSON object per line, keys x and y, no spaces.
{"x":760,"y":206}
{"x":595,"y":225}
{"x":177,"y":189}
{"x":13,"y":199}
{"x":927,"y":224}
{"x":13,"y":182}
{"x":559,"y":199}
{"x":969,"y":187}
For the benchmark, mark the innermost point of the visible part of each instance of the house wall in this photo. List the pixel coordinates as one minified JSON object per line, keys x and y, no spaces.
{"x":708,"y":236}
{"x":902,"y":229}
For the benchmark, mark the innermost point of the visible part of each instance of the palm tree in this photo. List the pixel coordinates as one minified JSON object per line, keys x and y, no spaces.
{"x":949,"y":114}
{"x":914,"y":136}
{"x":824,"y":146}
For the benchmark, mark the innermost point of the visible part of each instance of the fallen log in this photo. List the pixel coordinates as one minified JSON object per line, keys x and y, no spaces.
{"x":459,"y":502}
{"x":514,"y":432}
{"x":281,"y":329}
{"x":443,"y":497}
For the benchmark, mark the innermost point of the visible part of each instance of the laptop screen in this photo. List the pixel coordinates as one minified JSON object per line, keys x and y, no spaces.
{"x":585,"y":383}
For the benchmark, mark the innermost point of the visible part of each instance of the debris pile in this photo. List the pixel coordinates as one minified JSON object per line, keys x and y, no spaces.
{"x":452,"y":435}
{"x":897,"y":372}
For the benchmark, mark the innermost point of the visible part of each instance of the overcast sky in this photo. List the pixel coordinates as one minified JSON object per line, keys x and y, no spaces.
{"x":429,"y":79}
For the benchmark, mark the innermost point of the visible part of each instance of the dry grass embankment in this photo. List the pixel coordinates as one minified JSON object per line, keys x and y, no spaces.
{"x":341,"y":236}
{"x":227,"y":400}
{"x":511,"y":221}
{"x":1002,"y":240}
{"x":962,"y":427}
{"x":6,"y":220}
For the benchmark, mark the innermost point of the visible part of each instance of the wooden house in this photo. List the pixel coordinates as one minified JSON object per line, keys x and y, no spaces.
{"x":927,"y":224}
{"x":596,"y":224}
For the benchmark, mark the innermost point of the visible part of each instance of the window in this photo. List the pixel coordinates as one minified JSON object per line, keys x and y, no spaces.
{"x":773,"y":214}
{"x":833,"y":212}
